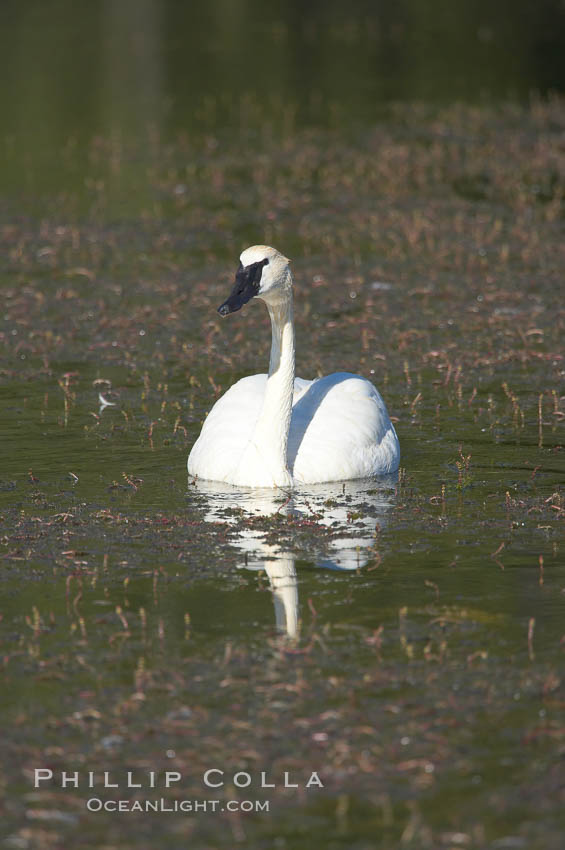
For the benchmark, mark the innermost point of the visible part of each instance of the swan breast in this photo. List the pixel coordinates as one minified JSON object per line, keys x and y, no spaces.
{"x":229,"y":427}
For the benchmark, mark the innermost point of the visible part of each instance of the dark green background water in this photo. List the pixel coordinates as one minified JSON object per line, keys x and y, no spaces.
{"x":85,"y":68}
{"x":410,"y":158}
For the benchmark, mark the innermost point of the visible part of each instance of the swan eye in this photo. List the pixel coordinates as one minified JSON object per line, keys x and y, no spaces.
{"x":249,"y":276}
{"x":253,"y":273}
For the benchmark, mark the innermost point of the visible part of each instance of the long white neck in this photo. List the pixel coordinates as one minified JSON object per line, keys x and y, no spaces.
{"x":271,"y":431}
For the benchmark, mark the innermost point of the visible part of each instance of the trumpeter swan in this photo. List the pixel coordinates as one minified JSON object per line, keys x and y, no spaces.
{"x":276,"y":430}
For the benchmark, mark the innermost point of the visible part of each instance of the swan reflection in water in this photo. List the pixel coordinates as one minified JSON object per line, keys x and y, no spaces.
{"x":353,"y":510}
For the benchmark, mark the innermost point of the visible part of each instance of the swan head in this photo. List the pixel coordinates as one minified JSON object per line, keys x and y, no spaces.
{"x":263,"y":273}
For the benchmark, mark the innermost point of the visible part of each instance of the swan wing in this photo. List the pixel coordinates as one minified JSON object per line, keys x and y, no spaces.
{"x":227,"y":430}
{"x":340,"y":429}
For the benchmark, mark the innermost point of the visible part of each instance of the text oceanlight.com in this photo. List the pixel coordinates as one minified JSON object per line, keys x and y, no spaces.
{"x":95,"y":804}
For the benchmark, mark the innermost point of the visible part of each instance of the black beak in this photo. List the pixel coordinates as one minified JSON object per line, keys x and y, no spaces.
{"x":247,"y":283}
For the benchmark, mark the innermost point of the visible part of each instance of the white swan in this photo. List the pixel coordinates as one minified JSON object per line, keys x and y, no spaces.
{"x":276,"y":430}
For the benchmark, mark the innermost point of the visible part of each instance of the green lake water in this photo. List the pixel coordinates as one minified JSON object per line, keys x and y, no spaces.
{"x":402,"y":638}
